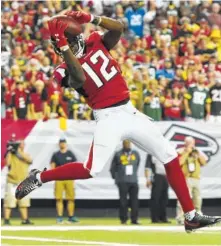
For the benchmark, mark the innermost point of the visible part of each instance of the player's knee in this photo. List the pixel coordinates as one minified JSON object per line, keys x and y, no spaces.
{"x":168,"y":155}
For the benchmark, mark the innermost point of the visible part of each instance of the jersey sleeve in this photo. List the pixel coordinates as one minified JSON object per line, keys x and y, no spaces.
{"x":208,"y":98}
{"x":95,"y":37}
{"x":128,"y":12}
{"x":188,"y":95}
{"x":61,"y":75}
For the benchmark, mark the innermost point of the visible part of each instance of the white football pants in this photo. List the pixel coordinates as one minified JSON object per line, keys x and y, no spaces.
{"x":125,"y":122}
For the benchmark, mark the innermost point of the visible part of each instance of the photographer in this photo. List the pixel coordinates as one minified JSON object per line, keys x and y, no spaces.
{"x":191,"y":161}
{"x":18,"y":163}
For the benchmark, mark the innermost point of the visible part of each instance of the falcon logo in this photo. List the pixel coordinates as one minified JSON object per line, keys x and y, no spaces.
{"x":177,"y":133}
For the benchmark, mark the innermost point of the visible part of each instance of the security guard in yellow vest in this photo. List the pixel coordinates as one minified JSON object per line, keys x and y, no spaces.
{"x":18,"y":163}
{"x":191,"y":161}
{"x":124,"y":169}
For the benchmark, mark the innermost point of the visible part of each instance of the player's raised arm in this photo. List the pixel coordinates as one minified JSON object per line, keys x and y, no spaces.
{"x":114,"y":27}
{"x":77,"y":77}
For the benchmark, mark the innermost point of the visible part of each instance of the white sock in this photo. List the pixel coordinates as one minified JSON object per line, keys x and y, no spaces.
{"x":190,"y":215}
{"x":38,"y":176}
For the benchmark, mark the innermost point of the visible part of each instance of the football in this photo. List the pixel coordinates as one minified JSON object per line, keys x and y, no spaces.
{"x":73,"y":28}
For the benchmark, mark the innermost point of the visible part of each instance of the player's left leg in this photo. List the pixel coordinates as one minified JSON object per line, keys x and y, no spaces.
{"x":147,"y":136}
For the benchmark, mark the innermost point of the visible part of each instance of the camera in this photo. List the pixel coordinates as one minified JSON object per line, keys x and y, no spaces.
{"x":194,"y":153}
{"x":12,"y":145}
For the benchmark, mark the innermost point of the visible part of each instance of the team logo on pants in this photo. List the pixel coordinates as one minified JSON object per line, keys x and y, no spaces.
{"x":205,"y":143}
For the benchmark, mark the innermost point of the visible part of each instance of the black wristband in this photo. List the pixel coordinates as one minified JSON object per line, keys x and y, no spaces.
{"x":97,"y":20}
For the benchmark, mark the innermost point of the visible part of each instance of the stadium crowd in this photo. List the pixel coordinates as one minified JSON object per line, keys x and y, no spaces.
{"x":169,"y":54}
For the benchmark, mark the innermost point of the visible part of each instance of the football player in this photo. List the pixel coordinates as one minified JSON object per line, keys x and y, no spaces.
{"x":89,"y":68}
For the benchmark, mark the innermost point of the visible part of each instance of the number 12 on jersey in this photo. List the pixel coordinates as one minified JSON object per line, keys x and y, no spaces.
{"x":103,"y":69}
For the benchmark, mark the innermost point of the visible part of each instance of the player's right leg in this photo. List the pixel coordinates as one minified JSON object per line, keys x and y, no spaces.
{"x":106,"y":138}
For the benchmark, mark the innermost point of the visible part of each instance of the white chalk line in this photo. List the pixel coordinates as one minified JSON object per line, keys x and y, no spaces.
{"x":105,"y":228}
{"x":69,"y":241}
{"x":79,"y":242}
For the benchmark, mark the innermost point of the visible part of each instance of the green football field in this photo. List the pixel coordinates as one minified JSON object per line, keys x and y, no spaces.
{"x":107,"y":232}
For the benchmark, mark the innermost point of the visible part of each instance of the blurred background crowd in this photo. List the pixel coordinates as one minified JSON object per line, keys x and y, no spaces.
{"x":169,"y":54}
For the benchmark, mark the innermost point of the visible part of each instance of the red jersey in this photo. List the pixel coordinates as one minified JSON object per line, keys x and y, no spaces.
{"x":104,"y":85}
{"x":174,"y":111}
{"x":38,"y":99}
{"x":53,"y":88}
{"x":20,"y":99}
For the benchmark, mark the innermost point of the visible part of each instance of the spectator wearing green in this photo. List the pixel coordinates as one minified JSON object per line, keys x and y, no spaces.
{"x":197,"y":101}
{"x":72,"y":98}
{"x":153,"y":99}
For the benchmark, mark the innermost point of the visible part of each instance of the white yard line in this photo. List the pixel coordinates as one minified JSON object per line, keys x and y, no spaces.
{"x":39,"y":239}
{"x":104,"y":228}
{"x":79,"y":242}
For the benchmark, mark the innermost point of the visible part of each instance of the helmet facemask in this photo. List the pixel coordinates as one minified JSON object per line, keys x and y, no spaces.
{"x":76,"y":44}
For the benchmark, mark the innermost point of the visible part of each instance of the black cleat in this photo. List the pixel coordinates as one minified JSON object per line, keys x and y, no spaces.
{"x":27,"y":222}
{"x":7,"y":222}
{"x":28,"y":185}
{"x":200,"y":221}
{"x":135,"y":223}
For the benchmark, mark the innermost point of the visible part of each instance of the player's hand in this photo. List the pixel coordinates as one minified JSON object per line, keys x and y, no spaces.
{"x":80,"y":16}
{"x":56,"y":29}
